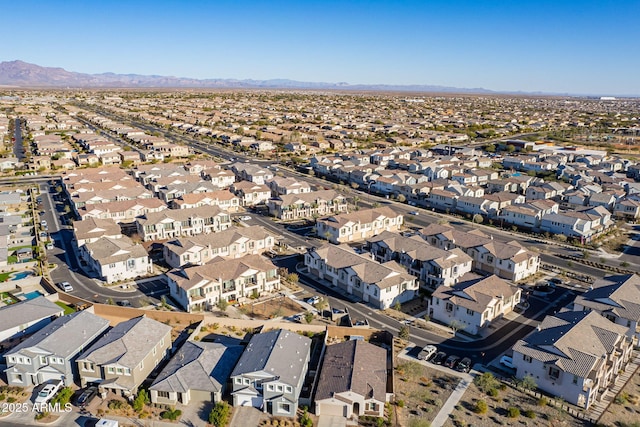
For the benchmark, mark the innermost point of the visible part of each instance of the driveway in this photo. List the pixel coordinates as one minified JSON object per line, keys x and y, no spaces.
{"x":244,"y":416}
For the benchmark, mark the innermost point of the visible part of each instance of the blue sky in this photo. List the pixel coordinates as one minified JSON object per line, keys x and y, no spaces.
{"x":562,"y":46}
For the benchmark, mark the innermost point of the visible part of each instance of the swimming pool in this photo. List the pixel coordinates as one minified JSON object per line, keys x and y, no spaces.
{"x":21,"y":275}
{"x":32,"y":295}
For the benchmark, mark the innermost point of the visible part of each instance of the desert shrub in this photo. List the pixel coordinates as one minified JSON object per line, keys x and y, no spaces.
{"x":493,"y":392}
{"x":171,"y":414}
{"x":115,"y":404}
{"x":3,"y":397}
{"x":481,"y":407}
{"x":529,"y":414}
{"x":11,"y":399}
{"x":219,"y":415}
{"x":63,"y":397}
{"x":513,"y":412}
{"x":400,"y":403}
{"x":543,"y":401}
{"x":622,"y":398}
{"x":486,"y":382}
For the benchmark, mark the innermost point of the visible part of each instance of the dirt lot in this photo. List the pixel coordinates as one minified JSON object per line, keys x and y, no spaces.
{"x":530,"y":412}
{"x":420,"y":391}
{"x":280,"y":306}
{"x":625,"y":409}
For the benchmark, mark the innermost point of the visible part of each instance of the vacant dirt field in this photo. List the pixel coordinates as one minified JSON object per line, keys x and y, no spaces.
{"x":530,"y":412}
{"x":420,"y":392}
{"x":280,"y":306}
{"x":625,"y":409}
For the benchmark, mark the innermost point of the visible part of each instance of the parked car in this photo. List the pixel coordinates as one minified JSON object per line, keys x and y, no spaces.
{"x":427,"y":352}
{"x":124,"y":303}
{"x":44,"y":222}
{"x":47,"y":392}
{"x":451,"y":361}
{"x":313,"y":300}
{"x":439,"y":358}
{"x":556,"y":281}
{"x":65,"y":286}
{"x":87,"y":396}
{"x":464,"y":365}
{"x":414,"y":213}
{"x":507,"y":361}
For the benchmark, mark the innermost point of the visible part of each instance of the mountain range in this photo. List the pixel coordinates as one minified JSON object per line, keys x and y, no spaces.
{"x":25,"y":75}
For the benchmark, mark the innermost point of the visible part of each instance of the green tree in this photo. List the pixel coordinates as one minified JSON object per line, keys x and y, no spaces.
{"x":308,"y":317}
{"x":219,"y":415}
{"x":528,"y":383}
{"x":141,"y":399}
{"x":478,"y":219}
{"x":397,"y":306}
{"x":222,"y":304}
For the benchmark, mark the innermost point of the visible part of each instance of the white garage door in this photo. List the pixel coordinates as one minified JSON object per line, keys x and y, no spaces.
{"x":332,"y":409}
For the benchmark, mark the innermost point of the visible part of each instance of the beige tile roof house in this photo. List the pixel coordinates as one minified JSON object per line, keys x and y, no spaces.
{"x":82,"y":199}
{"x":224,"y":199}
{"x":617,"y":298}
{"x":116,"y":259}
{"x":307,"y":205}
{"x":250,"y":193}
{"x":574,"y":355}
{"x":432,"y":266}
{"x":381,"y":285}
{"x":124,"y":211}
{"x":172,"y":223}
{"x":91,"y":229}
{"x":233,"y":242}
{"x":473,"y":303}
{"x":358,"y":225}
{"x":353,"y":380}
{"x":201,"y":287}
{"x":125,"y":356}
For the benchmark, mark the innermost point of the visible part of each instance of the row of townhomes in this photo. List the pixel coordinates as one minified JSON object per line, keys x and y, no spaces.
{"x":579,"y":198}
{"x":578,"y":353}
{"x":271,"y":372}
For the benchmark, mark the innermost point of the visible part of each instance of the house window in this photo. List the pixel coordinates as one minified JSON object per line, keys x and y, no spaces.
{"x":289,"y":389}
{"x":154,"y":351}
{"x":119,"y":371}
{"x":163,"y":394}
{"x":142,"y":365}
{"x":247,"y":381}
{"x":110,"y":370}
{"x":554,"y":373}
{"x":575,"y":379}
{"x":469,"y":312}
{"x":12,"y":359}
{"x":127,"y":371}
{"x":279,"y":387}
{"x":526,"y":358}
{"x":284,"y":407}
{"x":270,"y":387}
{"x":238,"y":380}
{"x":449,"y":307}
{"x":43,"y":360}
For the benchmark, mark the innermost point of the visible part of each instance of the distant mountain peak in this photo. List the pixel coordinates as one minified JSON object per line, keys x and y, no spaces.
{"x":23,"y":74}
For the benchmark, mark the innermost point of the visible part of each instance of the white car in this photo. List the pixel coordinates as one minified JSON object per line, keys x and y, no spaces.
{"x":245,"y":218}
{"x":313,"y":300}
{"x":47,"y":392}
{"x":427,"y":352}
{"x":507,"y":361}
{"x":65,"y":286}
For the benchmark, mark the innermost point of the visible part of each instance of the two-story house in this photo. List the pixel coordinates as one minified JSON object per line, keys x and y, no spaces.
{"x":381,"y":285}
{"x":358,"y":225}
{"x":50,"y":353}
{"x":116,"y":259}
{"x":574,"y":355}
{"x":473,"y":304}
{"x":271,"y":372}
{"x":124,"y":357}
{"x":173,"y":223}
{"x":26,"y":317}
{"x":307,"y":205}
{"x":233,"y":242}
{"x":201,"y":287}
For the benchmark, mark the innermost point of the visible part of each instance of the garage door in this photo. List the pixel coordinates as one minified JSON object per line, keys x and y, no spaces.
{"x":242,"y":400}
{"x":332,"y":409}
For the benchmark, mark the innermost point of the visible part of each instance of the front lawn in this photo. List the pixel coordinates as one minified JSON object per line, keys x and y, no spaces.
{"x":65,"y":307}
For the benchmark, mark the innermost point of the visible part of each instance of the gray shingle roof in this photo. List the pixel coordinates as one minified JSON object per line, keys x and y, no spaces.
{"x":353,"y":366}
{"x":280,"y":353}
{"x":66,"y":335}
{"x":619,"y":295}
{"x":127,"y":343}
{"x":202,"y":366}
{"x":27,"y":311}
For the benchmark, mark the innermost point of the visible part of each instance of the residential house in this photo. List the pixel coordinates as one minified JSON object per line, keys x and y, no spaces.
{"x":583,"y":224}
{"x":198,"y":372}
{"x":122,"y":212}
{"x":122,"y":359}
{"x":307,"y":205}
{"x":353,"y":380}
{"x":202,"y":287}
{"x":433,"y":266}
{"x":26,"y":317}
{"x":617,"y":298}
{"x":381,"y":285}
{"x":283,"y":185}
{"x":233,"y":242}
{"x":91,"y":229}
{"x":472,"y":305}
{"x":358,"y":225}
{"x":271,"y":372}
{"x":116,"y":259}
{"x":627,"y":209}
{"x":50,"y":353}
{"x":171,"y":223}
{"x":574,"y":355}
{"x":252,"y":173}
{"x":251,"y":194}
{"x":224,"y":199}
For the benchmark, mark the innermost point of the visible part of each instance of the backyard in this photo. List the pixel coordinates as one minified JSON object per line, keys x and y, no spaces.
{"x":280,"y":306}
